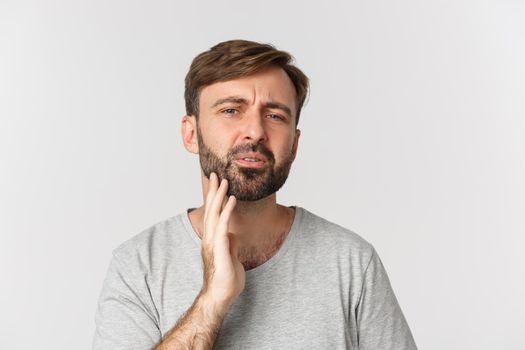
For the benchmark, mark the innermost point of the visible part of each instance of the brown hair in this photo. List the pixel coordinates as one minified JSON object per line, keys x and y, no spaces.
{"x":236,"y":58}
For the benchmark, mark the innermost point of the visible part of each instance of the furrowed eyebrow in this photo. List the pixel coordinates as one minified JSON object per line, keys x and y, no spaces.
{"x":278,"y":105}
{"x":240,"y":100}
{"x":229,"y":99}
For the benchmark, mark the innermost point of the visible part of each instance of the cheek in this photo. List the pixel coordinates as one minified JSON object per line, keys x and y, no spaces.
{"x":216,"y":144}
{"x":285,"y":153}
{"x":220,"y":150}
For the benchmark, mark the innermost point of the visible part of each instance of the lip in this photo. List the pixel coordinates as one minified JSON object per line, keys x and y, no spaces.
{"x":255,"y":155}
{"x":246,"y":163}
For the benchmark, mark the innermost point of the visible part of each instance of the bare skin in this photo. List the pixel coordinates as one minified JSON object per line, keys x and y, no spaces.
{"x":224,"y":276}
{"x":260,"y":227}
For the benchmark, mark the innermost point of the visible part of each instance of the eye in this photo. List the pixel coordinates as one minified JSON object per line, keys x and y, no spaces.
{"x":275,"y":117}
{"x":230,"y":111}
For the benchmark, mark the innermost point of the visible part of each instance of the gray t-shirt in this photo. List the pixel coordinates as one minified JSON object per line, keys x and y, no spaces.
{"x":325,"y":288}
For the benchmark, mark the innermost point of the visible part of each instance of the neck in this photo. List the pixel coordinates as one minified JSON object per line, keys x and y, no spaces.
{"x":259,"y":226}
{"x":254,"y":224}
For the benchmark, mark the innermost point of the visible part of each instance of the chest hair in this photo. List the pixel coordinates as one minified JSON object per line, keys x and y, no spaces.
{"x":251,"y":257}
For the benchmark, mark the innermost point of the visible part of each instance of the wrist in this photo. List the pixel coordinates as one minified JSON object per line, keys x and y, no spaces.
{"x":211,"y":307}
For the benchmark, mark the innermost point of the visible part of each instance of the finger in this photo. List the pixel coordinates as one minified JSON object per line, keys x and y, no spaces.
{"x":222,"y":226}
{"x":224,"y":201}
{"x":213,"y":212}
{"x":209,"y":225}
{"x":218,"y":199}
{"x":212,"y":189}
{"x":224,"y":219}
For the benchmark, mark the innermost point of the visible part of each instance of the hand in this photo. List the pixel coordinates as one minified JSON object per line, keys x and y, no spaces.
{"x":224,"y":275}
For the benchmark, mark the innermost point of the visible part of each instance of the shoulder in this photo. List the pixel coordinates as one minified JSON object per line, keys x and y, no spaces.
{"x":324,"y":229}
{"x":331,"y":237}
{"x":151,"y":243}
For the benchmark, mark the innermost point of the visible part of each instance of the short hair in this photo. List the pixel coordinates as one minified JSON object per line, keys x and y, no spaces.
{"x":234,"y":59}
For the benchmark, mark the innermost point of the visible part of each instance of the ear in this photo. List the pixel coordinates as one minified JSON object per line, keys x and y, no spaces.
{"x":189,"y":133}
{"x":296,"y":143}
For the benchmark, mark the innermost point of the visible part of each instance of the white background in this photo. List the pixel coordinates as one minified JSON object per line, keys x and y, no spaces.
{"x":413,"y":137}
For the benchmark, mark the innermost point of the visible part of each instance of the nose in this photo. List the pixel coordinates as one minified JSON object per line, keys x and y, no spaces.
{"x":253,"y":128}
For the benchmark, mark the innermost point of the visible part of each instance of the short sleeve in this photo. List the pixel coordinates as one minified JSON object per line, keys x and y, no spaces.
{"x":380,"y":321}
{"x":126,"y":316}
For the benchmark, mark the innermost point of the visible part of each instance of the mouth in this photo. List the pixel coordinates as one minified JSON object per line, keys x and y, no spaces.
{"x":251,"y":160}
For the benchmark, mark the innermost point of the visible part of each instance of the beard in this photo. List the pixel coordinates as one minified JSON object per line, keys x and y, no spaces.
{"x":246,"y":184}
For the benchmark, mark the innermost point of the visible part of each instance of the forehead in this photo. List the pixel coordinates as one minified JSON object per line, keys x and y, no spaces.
{"x":271,"y":84}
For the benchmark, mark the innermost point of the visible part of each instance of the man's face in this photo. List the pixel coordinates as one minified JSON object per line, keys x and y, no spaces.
{"x":246,"y":133}
{"x":246,"y":183}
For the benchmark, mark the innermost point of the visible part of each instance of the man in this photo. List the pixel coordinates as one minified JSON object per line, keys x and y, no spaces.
{"x":241,"y":271}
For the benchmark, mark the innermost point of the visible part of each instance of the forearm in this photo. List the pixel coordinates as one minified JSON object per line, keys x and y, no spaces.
{"x":198,"y":328}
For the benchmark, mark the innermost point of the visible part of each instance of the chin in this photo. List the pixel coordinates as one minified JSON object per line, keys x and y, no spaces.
{"x":250,"y":198}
